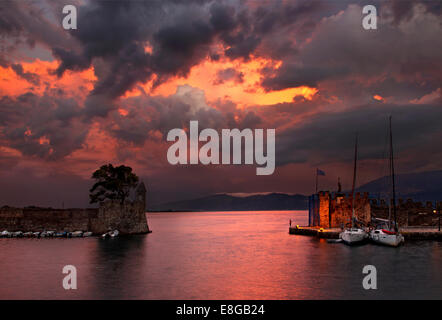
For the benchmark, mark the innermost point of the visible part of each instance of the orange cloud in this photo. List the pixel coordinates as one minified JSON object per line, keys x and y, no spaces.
{"x":73,"y":84}
{"x":245,"y":93}
{"x":123,"y":112}
{"x":378,"y":97}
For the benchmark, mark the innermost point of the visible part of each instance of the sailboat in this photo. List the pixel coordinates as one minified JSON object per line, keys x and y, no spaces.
{"x":354,"y":235}
{"x":387,"y":233}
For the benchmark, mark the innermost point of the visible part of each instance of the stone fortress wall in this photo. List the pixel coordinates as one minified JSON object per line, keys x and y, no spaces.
{"x":334,"y":210}
{"x":409,"y":213}
{"x":328,"y":210}
{"x":127,"y":218}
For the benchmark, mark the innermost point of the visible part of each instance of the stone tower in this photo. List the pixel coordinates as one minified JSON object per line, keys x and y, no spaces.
{"x":128,"y":218}
{"x":141,"y":193}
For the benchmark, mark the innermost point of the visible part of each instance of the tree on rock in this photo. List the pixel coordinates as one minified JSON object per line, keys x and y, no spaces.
{"x":113,"y":183}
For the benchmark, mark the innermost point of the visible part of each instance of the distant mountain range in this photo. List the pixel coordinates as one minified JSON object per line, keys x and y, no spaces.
{"x":424,"y":186}
{"x":228,"y":202}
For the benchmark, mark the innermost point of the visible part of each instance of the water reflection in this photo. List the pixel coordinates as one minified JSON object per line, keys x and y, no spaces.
{"x":224,"y":255}
{"x":117,"y":267}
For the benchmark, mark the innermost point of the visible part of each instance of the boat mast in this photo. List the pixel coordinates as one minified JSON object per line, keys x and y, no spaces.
{"x":390,"y":193}
{"x":354,"y":183}
{"x":389,"y":215}
{"x":392,"y":178}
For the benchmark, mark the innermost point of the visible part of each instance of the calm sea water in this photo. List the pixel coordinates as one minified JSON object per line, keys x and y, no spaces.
{"x":217,"y":255}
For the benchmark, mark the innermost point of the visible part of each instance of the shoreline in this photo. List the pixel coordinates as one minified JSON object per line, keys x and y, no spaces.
{"x":409,"y":233}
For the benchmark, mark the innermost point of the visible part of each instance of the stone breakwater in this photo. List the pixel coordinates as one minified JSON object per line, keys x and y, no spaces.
{"x":128,"y":218}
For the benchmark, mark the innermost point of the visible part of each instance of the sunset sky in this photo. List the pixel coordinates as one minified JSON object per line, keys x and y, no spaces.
{"x":110,"y":91}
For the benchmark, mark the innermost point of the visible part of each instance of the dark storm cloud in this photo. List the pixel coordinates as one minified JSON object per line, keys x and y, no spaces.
{"x":242,"y":47}
{"x":69,"y":61}
{"x":112,"y":36}
{"x":32,"y":78}
{"x":45,"y":127}
{"x":148,"y":115}
{"x":118,"y":31}
{"x":329,"y":137}
{"x":391,"y":87}
{"x":222,"y":17}
{"x":180,"y":35}
{"x":179,"y":47}
{"x":273,"y":16}
{"x":341,"y":50}
{"x":106,"y":29}
{"x":27,"y":23}
{"x":9,"y":24}
{"x":228,"y":74}
{"x":295,"y":76}
{"x":320,"y":43}
{"x":403,"y":10}
{"x":131,"y":66}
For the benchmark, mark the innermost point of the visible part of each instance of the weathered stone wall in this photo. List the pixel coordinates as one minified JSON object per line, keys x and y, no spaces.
{"x":336,"y":210}
{"x":127,"y":218}
{"x":409,"y":213}
{"x":341,"y":209}
{"x":324,"y":204}
{"x":39,"y":219}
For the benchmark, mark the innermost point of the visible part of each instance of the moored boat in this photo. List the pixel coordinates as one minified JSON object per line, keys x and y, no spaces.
{"x":110,"y":234}
{"x":114,"y":233}
{"x":50,"y":233}
{"x":387,"y":232}
{"x":386,"y":237}
{"x":354,"y":235}
{"x":61,"y":234}
{"x":77,"y":234}
{"x":5,"y":234}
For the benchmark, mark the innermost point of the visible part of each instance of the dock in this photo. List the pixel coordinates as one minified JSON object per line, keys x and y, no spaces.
{"x":326,"y":233}
{"x":409,"y":233}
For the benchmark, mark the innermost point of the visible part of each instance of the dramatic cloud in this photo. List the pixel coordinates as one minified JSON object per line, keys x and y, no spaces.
{"x":28,"y":76}
{"x":111,"y":90}
{"x":41,"y":126}
{"x":229,"y":74}
{"x":331,"y":135}
{"x":341,"y":52}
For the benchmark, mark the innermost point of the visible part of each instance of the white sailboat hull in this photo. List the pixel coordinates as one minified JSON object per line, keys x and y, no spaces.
{"x":380,"y":237}
{"x":353,"y":236}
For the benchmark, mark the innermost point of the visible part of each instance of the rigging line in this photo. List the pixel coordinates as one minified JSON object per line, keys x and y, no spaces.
{"x":354,"y":182}
{"x":392,"y":177}
{"x":384,"y":167}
